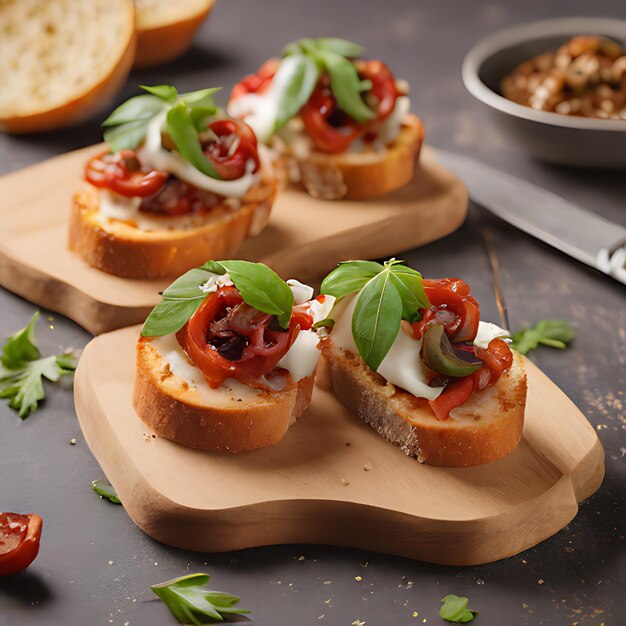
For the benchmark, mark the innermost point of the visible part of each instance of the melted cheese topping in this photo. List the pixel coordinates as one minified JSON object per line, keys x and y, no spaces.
{"x":402,"y":366}
{"x":153,"y":154}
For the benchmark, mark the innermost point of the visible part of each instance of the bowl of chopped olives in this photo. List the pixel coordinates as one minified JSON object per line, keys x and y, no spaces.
{"x":557,"y":88}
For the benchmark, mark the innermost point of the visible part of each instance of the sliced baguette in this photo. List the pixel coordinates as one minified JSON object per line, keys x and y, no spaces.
{"x":62,"y":61}
{"x":232,"y":422}
{"x":122,"y":249}
{"x":485,"y":428}
{"x":359,"y":176}
{"x":165,"y":29}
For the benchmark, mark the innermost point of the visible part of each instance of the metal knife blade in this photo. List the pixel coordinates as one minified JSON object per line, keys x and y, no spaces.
{"x":581,"y":234}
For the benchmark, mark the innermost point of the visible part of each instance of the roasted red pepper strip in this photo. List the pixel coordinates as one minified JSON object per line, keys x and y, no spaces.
{"x":238,"y":331}
{"x":236,"y":144}
{"x":19,"y":541}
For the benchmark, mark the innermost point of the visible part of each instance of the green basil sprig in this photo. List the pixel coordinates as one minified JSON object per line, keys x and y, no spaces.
{"x":388,"y":294}
{"x":126,"y":127}
{"x":303,"y":63}
{"x":552,"y":333}
{"x":259,"y":286}
{"x":454,"y":609}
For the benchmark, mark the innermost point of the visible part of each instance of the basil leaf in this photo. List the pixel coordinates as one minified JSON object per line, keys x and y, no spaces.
{"x":21,"y":347}
{"x":201,"y":98}
{"x":181,"y":129}
{"x":376,"y":319}
{"x":454,"y":609}
{"x":200,"y":118}
{"x":137,"y":108}
{"x":349,"y":277}
{"x":294,"y":82}
{"x":261,"y":288}
{"x":169,"y":316}
{"x":105,"y":490}
{"x":190,"y":602}
{"x":409,"y":284}
{"x":345,"y":85}
{"x":165,"y":92}
{"x":126,"y":136}
{"x":187,"y":286}
{"x":343,"y":47}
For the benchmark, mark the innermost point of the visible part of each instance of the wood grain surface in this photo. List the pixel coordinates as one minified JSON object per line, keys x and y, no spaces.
{"x":305,"y":238}
{"x":333,"y":480}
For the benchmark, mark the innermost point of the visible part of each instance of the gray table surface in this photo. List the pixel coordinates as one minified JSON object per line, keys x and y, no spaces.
{"x":95,"y":566}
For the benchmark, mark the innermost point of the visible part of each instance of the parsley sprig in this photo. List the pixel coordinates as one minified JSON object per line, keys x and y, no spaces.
{"x":388,"y":293}
{"x":304,"y":61}
{"x":23,"y":370}
{"x":553,"y":333}
{"x":185,"y":115}
{"x":106,"y":491}
{"x":190,"y":602}
{"x":259,"y":286}
{"x":454,"y":609}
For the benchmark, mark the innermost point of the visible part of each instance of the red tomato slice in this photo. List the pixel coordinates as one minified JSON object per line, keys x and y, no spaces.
{"x":19,"y":541}
{"x":383,"y":86}
{"x":236,"y":144}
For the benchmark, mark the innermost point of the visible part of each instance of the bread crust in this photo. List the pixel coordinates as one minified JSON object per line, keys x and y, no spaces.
{"x":124,"y":250}
{"x":485,"y":428}
{"x":356,"y":176}
{"x":162,"y":43}
{"x":84,"y":105}
{"x":174,"y":411}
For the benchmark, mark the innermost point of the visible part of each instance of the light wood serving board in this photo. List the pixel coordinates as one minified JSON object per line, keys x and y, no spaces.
{"x":305,"y":238}
{"x":313,"y":487}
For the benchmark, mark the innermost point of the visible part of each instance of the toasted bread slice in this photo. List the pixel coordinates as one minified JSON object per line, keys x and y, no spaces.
{"x":485,"y":428}
{"x":234,"y":418}
{"x":166,"y":29}
{"x":120,"y":248}
{"x":62,"y":61}
{"x":359,"y":176}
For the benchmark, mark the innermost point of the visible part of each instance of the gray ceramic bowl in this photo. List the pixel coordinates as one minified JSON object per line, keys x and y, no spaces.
{"x":553,"y":137}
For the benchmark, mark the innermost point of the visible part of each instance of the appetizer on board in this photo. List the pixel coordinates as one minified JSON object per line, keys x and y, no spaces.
{"x":180,"y":181}
{"x":340,"y":124}
{"x":411,"y":358}
{"x":226,"y":362}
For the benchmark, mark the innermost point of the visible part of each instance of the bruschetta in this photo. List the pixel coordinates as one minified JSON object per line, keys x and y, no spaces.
{"x":178,"y":181}
{"x":226,"y":362}
{"x":337,"y":123}
{"x":412,"y":358}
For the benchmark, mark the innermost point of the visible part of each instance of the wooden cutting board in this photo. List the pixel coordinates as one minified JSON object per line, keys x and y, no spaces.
{"x":305,"y":238}
{"x":333,"y":480}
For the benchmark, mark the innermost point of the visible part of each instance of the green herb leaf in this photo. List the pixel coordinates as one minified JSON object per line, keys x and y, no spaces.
{"x":388,"y":294}
{"x":454,"y":609}
{"x":200,"y":98}
{"x":346,"y":86}
{"x":349,"y":277}
{"x":294,"y":82}
{"x":182,"y":130}
{"x":126,"y":136}
{"x":376,"y":318}
{"x":105,"y":490}
{"x":190,"y":602}
{"x":21,"y":347}
{"x":343,"y":47}
{"x":553,"y":333}
{"x":165,"y":92}
{"x":143,"y":107}
{"x":260,"y":287}
{"x":326,"y":323}
{"x":22,"y":370}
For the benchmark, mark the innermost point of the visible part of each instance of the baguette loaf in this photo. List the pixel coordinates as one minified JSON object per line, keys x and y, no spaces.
{"x":166,"y":29}
{"x":62,"y":61}
{"x":122,"y":249}
{"x":234,"y":418}
{"x":359,"y":176}
{"x":485,"y":428}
